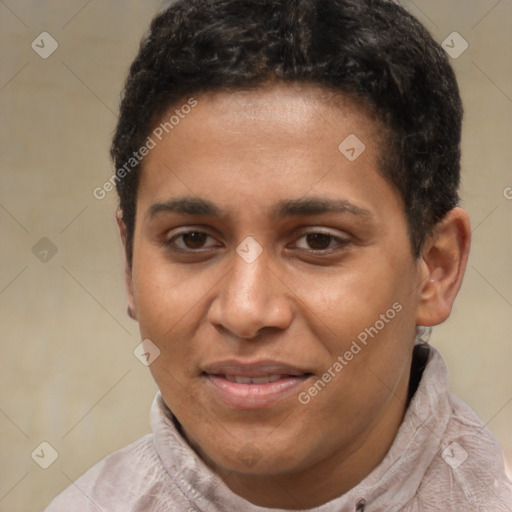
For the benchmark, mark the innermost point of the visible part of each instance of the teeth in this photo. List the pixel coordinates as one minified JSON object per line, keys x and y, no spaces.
{"x":252,"y":380}
{"x":263,"y":380}
{"x":242,"y":380}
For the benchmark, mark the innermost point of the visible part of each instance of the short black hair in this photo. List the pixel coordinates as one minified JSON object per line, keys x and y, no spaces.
{"x":371,"y":50}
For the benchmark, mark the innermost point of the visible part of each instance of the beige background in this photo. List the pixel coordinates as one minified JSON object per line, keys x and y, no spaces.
{"x":67,"y":372}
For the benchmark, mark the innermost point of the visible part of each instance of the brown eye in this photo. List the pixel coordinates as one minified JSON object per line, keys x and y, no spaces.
{"x":318,"y":241}
{"x":322,"y":242}
{"x":191,"y":241}
{"x":194,"y":240}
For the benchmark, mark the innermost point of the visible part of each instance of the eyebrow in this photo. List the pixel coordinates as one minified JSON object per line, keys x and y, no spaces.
{"x":285,"y":208}
{"x":316,"y":206}
{"x":187,"y":206}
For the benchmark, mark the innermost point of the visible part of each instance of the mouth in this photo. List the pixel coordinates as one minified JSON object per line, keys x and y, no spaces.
{"x":253,"y":385}
{"x":252,"y":380}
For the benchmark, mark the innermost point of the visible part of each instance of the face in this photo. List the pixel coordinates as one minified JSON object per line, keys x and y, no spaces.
{"x":273,"y":270}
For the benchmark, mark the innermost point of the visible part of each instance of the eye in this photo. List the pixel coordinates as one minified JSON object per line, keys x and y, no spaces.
{"x":191,"y":241}
{"x":320,"y":241}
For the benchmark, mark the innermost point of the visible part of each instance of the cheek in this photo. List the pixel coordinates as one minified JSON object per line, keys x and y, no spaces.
{"x":168,"y":309}
{"x":171,"y":302}
{"x":164,"y":294}
{"x":350,"y":299}
{"x":368,"y":320}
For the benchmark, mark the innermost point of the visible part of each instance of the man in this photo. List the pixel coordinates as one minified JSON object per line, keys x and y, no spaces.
{"x":288,"y":175}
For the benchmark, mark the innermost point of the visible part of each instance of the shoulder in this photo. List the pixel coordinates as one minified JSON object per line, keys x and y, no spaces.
{"x":115,"y":482}
{"x":469,"y":468}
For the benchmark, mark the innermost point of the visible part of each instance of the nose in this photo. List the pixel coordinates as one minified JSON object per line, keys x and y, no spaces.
{"x":251,"y":298}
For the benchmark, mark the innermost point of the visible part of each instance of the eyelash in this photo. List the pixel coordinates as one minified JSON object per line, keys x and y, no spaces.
{"x":169,"y":243}
{"x":341,"y":242}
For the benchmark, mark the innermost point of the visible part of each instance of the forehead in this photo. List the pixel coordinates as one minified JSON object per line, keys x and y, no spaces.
{"x":302,"y":112}
{"x":262,"y":144}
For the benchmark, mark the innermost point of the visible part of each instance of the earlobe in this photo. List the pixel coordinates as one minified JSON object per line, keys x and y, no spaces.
{"x":131,"y":309}
{"x":442,"y":266}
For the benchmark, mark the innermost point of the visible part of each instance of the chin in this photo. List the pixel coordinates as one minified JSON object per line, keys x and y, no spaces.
{"x":253,"y":458}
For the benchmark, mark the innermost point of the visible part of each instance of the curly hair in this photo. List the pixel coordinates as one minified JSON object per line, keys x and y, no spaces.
{"x":371,"y":50}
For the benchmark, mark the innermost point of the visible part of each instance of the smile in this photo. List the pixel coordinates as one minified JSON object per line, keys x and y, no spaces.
{"x":252,"y":380}
{"x":253,"y":386}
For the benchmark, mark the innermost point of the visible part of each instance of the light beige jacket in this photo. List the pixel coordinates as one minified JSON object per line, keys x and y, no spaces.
{"x":442,"y":459}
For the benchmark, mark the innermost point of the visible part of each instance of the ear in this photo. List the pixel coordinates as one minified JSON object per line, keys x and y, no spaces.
{"x":442,"y":266}
{"x":132,"y":309}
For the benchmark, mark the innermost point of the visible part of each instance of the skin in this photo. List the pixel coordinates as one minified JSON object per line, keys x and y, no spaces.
{"x":246,"y":152}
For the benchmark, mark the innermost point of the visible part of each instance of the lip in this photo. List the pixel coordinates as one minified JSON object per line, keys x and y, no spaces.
{"x":255,"y":395}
